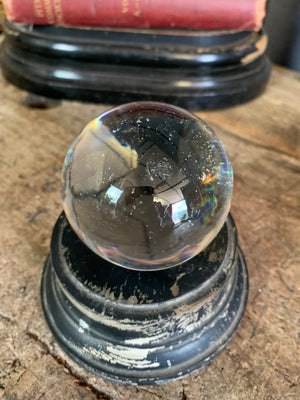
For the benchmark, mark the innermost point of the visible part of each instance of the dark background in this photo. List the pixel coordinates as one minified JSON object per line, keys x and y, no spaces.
{"x":282,"y":25}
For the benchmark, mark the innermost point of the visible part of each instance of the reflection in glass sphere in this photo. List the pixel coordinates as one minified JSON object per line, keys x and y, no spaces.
{"x":147,"y":185}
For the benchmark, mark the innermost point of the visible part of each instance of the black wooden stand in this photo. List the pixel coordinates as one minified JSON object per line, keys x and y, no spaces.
{"x":143,"y":327}
{"x":192,"y":69}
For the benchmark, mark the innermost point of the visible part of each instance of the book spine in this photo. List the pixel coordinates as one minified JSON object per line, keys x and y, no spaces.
{"x":194,"y":14}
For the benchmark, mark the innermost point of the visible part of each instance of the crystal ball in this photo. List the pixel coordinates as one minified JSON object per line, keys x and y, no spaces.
{"x":147,"y":185}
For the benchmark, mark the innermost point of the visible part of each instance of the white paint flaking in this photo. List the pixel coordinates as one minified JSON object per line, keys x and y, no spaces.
{"x":83,"y":324}
{"x":130,"y":357}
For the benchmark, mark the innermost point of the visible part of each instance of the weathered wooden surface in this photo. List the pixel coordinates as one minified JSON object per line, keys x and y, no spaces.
{"x":262,"y":139}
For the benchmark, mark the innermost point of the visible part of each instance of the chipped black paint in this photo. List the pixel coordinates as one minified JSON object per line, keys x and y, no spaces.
{"x":143,"y":327}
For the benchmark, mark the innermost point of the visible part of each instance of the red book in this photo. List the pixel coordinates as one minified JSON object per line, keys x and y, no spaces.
{"x":194,"y":14}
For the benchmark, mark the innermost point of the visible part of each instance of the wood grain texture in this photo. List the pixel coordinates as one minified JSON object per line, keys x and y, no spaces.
{"x":262,"y":139}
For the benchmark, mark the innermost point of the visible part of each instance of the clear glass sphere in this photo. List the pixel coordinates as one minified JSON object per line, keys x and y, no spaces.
{"x":147,"y":185}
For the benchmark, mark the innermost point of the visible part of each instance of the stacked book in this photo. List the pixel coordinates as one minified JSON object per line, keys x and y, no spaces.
{"x":187,"y":14}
